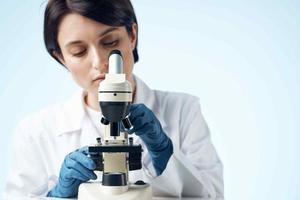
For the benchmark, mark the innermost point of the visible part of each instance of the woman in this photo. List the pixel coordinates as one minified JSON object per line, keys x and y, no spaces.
{"x":50,"y":156}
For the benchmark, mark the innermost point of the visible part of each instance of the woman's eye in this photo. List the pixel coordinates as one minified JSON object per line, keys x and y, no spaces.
{"x":78,"y":54}
{"x":110,"y":44}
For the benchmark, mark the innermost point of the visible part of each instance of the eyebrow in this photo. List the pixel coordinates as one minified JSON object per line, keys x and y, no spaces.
{"x":108,"y":30}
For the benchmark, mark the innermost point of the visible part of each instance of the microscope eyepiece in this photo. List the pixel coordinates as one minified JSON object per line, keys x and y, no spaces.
{"x":115,"y":51}
{"x":115,"y":62}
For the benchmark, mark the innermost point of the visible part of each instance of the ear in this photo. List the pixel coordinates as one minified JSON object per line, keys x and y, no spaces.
{"x":60,"y":57}
{"x":133,"y":35}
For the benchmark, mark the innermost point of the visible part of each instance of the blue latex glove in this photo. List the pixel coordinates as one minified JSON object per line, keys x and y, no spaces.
{"x":76,"y":169}
{"x":149,"y":129}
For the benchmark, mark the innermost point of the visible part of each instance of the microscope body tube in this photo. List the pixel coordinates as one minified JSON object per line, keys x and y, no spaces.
{"x":115,"y":154}
{"x":115,"y":97}
{"x":115,"y":94}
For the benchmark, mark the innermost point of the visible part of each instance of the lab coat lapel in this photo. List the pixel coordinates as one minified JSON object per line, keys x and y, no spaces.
{"x":71,"y":115}
{"x":88,"y":132}
{"x":75,"y":120}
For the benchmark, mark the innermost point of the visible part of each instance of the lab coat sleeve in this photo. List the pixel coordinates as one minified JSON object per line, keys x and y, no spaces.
{"x":194,"y":169}
{"x":27,"y":177}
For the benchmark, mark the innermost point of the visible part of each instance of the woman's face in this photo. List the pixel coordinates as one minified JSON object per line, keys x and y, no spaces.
{"x":85,"y":46}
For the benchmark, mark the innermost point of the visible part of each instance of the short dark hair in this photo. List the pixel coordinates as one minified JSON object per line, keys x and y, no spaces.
{"x":109,"y":12}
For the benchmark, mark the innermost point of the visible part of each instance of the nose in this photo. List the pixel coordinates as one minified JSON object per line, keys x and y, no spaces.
{"x":99,"y":61}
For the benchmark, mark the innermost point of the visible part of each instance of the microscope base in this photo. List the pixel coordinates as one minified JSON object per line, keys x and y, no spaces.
{"x":96,"y":191}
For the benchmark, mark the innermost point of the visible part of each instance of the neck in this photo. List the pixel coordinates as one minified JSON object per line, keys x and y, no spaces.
{"x":92,"y":99}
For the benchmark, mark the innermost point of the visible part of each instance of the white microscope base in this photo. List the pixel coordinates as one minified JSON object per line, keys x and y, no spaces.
{"x":95,"y":191}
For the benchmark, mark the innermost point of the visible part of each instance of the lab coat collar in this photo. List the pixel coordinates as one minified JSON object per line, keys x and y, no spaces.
{"x":72,"y":114}
{"x":143,"y":94}
{"x":73,"y":111}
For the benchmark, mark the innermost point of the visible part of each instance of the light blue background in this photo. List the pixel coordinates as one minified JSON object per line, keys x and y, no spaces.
{"x":240,"y":57}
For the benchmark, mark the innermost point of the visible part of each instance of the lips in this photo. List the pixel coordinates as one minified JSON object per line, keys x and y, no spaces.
{"x":99,"y":77}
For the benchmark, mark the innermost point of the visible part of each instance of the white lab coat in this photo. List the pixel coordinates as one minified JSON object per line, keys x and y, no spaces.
{"x":43,"y":139}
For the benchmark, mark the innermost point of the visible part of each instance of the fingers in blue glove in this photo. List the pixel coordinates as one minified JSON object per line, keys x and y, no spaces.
{"x":80,"y":167}
{"x":138,"y":110}
{"x":142,"y":119}
{"x":76,"y":168}
{"x":83,"y":159}
{"x":83,"y":150}
{"x":70,"y":175}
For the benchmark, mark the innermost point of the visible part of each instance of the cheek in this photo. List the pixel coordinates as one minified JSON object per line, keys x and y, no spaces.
{"x":79,"y":72}
{"x":128,"y":61}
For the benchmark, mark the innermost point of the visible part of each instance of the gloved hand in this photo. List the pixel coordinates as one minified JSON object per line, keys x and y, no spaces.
{"x":149,"y":129}
{"x":76,"y":169}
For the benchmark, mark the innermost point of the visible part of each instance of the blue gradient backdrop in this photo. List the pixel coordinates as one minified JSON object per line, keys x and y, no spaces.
{"x":240,"y":57}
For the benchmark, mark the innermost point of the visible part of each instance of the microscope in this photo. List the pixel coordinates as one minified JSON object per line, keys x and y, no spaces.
{"x":115,"y":154}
